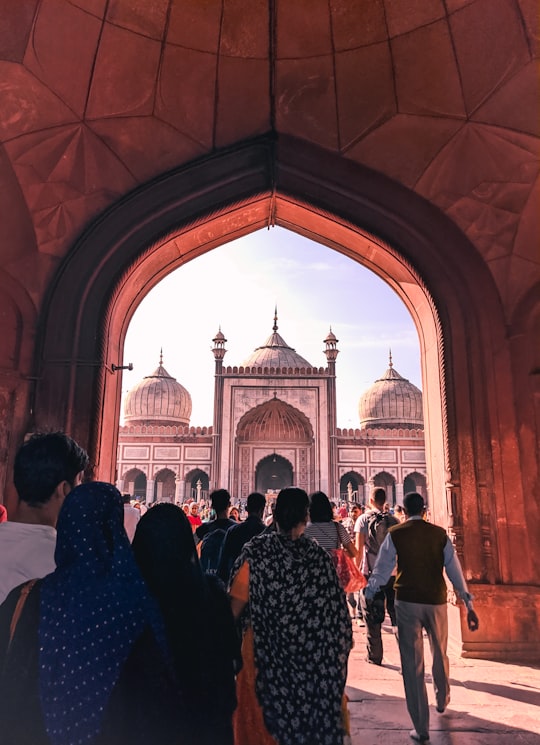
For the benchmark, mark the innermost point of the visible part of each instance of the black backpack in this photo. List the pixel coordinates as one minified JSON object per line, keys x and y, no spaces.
{"x":211,"y":546}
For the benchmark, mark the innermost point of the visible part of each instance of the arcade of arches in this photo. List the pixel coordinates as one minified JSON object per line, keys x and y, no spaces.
{"x":131,"y":142}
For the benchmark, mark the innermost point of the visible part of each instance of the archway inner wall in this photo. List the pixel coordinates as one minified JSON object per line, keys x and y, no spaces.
{"x":436,"y":271}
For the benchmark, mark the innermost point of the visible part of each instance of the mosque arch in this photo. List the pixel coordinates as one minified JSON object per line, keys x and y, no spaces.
{"x":415,"y":482}
{"x":388,"y":483}
{"x":134,"y":483}
{"x":357,"y":482}
{"x":272,"y":473}
{"x":164,"y":485}
{"x":274,"y":421}
{"x":406,"y":241}
{"x":192,"y":490}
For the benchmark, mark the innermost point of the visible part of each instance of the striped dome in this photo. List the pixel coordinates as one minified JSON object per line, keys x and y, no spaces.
{"x":158,"y":399}
{"x":391,"y":402}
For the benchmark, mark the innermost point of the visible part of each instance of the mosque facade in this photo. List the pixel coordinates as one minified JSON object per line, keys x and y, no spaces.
{"x":274,"y":425}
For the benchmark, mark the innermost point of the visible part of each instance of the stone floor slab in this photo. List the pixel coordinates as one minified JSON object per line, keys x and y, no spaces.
{"x":492,"y":703}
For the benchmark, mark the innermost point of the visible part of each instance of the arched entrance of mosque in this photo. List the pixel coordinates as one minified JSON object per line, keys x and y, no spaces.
{"x":273,"y":473}
{"x":164,"y":485}
{"x":351,"y":487}
{"x":134,"y":483}
{"x":196,"y":485}
{"x":409,"y":243}
{"x":270,"y":426}
{"x":388,"y":483}
{"x":415,"y":482}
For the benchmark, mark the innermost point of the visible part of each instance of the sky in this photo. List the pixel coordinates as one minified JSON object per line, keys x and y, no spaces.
{"x":238,"y":285}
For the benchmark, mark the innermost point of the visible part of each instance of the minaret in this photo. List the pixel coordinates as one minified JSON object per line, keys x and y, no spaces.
{"x":219,"y":352}
{"x":331,"y":351}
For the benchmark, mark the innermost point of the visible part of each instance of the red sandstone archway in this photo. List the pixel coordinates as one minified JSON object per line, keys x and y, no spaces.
{"x":390,"y":230}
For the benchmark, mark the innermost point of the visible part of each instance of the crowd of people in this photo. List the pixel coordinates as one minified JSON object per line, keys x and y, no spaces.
{"x":127,"y":625}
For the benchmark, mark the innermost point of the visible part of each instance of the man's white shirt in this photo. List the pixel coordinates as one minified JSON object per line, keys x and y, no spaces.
{"x":26,"y":552}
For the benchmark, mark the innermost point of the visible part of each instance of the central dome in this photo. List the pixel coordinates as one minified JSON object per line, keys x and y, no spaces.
{"x":158,"y":399}
{"x":275,"y":352}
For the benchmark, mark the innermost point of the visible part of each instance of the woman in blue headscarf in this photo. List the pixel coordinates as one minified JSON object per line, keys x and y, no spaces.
{"x":87,"y":661}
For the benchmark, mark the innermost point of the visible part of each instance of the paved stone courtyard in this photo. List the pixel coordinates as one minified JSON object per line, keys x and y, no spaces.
{"x":492,"y":703}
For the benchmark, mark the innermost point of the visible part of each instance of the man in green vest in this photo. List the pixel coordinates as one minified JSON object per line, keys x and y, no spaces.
{"x":422,"y":552}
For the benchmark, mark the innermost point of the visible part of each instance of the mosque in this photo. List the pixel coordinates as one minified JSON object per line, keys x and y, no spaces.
{"x":274,"y":426}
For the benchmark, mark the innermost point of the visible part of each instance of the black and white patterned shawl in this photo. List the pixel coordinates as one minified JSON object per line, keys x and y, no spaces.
{"x":302,"y":637}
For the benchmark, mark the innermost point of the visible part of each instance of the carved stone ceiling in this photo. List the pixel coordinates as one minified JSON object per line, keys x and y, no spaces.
{"x":99,"y":96}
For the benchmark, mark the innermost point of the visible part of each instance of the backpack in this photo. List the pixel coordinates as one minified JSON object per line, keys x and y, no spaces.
{"x":377,"y":529}
{"x":211,"y":546}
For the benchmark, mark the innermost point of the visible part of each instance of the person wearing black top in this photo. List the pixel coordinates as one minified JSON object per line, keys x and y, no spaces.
{"x":240,"y":534}
{"x":199,"y":625}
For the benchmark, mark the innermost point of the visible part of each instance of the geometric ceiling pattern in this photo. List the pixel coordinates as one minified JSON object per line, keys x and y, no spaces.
{"x":99,"y":96}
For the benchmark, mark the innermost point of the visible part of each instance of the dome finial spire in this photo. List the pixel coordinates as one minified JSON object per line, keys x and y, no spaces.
{"x":161,"y":357}
{"x":390,"y":363}
{"x":275,"y":326}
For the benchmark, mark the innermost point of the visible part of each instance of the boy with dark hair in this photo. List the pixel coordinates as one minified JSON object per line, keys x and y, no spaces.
{"x":47,"y":467}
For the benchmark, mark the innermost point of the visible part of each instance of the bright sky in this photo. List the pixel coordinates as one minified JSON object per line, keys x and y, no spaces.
{"x":237,"y":286}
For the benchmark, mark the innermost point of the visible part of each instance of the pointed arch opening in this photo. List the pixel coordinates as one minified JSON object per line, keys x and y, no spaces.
{"x":273,"y":473}
{"x":388,"y":229}
{"x":352,"y":487}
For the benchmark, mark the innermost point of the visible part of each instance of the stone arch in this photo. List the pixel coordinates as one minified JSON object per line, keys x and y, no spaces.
{"x":272,"y":473}
{"x":134,"y":482}
{"x":357,"y":482}
{"x":407,"y":241}
{"x":164,"y":485}
{"x":388,"y":483}
{"x":415,"y":481}
{"x":190,"y":480}
{"x":274,"y":421}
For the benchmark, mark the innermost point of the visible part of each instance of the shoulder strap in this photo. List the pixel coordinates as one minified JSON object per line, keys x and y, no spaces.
{"x":25,"y":591}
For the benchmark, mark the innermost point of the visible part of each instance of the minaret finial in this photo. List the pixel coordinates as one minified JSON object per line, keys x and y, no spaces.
{"x":390,"y":363}
{"x":275,"y":326}
{"x":161,"y":357}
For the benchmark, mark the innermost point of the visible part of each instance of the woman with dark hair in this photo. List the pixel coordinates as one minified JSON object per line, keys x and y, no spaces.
{"x":198,"y":620}
{"x":80,"y":646}
{"x":297,"y":635}
{"x":324,"y":529}
{"x":330,"y":534}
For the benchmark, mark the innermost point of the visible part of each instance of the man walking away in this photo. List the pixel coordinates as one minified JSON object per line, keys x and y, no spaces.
{"x":47,"y":467}
{"x":422,"y":551}
{"x":211,"y":535}
{"x":239,"y":534}
{"x":370,"y":531}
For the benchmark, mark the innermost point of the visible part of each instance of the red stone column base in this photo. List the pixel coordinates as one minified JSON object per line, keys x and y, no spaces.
{"x":509,"y":622}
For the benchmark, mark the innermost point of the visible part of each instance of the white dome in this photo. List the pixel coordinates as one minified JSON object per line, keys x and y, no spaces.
{"x":391,"y":402}
{"x":158,"y":399}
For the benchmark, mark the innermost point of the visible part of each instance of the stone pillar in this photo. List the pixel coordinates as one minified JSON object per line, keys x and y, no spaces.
{"x":179,"y":488}
{"x":399,"y":493}
{"x":150,"y":490}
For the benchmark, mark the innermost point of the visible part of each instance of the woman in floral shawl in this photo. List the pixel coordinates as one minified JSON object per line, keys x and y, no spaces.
{"x":297,"y":636}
